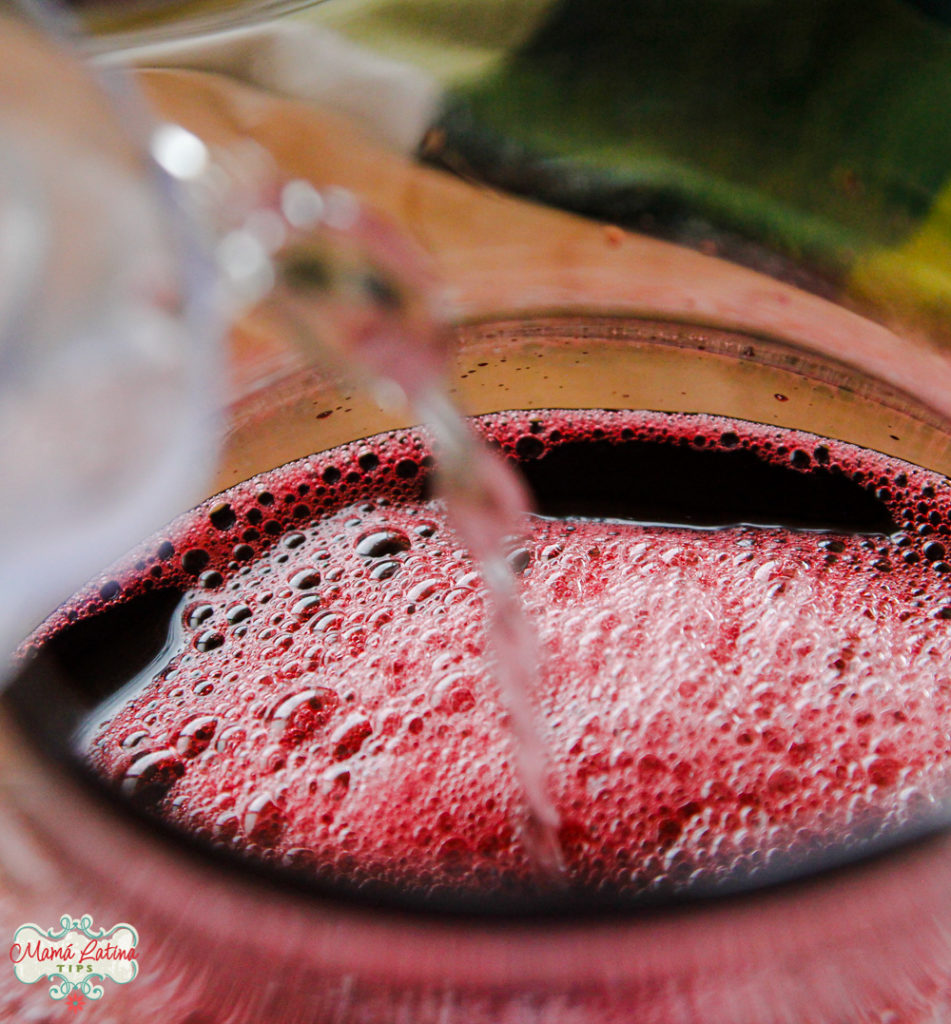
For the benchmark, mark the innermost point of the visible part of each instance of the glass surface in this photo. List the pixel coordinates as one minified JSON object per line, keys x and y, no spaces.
{"x":107,"y":335}
{"x":735,"y":211}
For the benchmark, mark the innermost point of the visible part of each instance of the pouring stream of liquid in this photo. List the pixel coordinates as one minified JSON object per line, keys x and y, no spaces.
{"x":356,"y":298}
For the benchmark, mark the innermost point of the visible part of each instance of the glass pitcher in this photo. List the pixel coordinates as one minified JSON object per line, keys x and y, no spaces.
{"x":732,"y":212}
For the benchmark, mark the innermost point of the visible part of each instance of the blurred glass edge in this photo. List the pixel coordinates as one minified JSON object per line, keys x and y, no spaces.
{"x":110,"y":351}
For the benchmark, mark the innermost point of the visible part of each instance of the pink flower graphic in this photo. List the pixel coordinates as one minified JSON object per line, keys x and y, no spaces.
{"x":75,"y":1000}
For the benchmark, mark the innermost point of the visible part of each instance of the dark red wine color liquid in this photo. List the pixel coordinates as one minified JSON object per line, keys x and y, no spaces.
{"x":760,"y":676}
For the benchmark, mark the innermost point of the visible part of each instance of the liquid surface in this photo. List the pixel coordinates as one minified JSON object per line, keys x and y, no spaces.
{"x":303,"y":679}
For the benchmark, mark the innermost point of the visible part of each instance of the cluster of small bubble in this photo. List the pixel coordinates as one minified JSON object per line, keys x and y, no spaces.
{"x":292,"y":691}
{"x":712,"y":701}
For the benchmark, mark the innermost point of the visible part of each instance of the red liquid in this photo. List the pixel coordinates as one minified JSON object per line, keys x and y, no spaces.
{"x":716,"y":702}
